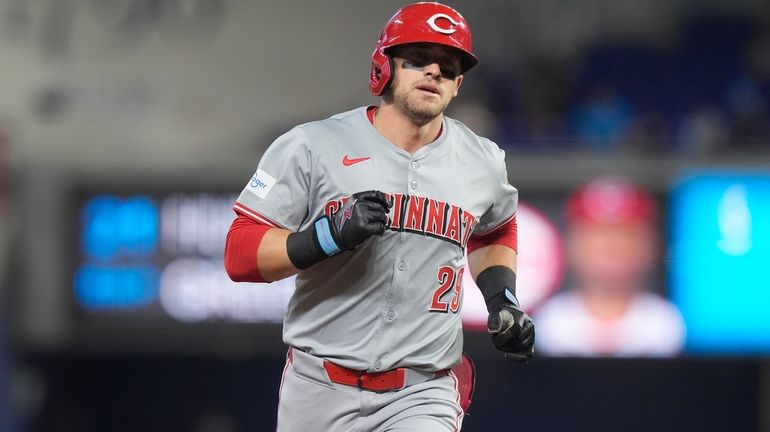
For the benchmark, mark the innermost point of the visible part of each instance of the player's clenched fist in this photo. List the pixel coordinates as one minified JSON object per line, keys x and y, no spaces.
{"x":364,"y":215}
{"x":512,"y":332}
{"x":511,"y":329}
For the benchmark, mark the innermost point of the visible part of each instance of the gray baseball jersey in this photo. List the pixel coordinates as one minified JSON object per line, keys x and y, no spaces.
{"x":395,"y":301}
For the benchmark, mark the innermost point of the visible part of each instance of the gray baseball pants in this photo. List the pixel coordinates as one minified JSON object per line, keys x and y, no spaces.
{"x":311,"y":402}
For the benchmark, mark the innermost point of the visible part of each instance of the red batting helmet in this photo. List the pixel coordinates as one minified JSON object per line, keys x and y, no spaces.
{"x":611,"y":200}
{"x":420,"y":22}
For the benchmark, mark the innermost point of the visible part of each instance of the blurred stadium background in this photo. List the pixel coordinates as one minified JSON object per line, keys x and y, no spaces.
{"x":127,"y":127}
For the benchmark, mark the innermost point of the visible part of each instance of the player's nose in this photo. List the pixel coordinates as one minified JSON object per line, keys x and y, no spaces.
{"x":432,"y":69}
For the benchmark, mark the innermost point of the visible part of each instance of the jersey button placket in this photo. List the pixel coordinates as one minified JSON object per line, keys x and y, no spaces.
{"x":413,"y":182}
{"x":390,"y":315}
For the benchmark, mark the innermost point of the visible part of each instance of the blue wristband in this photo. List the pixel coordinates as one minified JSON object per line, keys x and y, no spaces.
{"x":511,"y":297}
{"x":325,"y":239}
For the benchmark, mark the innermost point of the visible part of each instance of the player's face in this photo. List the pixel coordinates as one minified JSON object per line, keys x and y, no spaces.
{"x":426,"y":78}
{"x":616,"y":255}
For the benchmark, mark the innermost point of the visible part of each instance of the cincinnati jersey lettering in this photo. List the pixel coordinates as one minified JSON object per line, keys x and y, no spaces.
{"x":422,"y":215}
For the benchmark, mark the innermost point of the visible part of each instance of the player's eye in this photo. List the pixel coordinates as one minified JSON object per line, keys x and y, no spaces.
{"x":449,"y":71}
{"x":419,"y":61}
{"x":416,"y":60}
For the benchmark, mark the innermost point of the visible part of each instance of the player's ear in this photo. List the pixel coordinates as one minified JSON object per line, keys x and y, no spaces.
{"x":458,"y":82}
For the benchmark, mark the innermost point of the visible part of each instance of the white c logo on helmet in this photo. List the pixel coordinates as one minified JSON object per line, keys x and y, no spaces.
{"x":432,"y":23}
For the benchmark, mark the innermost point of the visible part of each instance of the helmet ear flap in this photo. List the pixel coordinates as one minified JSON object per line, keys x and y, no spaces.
{"x":381,"y":73}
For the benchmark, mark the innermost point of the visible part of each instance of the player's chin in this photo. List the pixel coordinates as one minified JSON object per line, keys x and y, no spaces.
{"x":429,"y":109}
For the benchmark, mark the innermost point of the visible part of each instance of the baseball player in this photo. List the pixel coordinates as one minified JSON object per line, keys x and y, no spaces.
{"x":374,"y":210}
{"x":609,"y":309}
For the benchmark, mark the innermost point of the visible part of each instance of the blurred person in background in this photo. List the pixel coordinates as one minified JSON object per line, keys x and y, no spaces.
{"x":748,"y":109}
{"x":5,"y":409}
{"x":703,"y":131}
{"x":603,"y":119}
{"x":612,"y":249}
{"x":4,"y":210}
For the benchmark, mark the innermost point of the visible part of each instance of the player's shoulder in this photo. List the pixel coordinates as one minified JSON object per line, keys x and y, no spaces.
{"x":332,"y":123}
{"x":553,"y":327}
{"x":657,"y":311}
{"x":558,"y":304}
{"x":317,"y":132}
{"x":472,"y":142}
{"x":650,"y":302}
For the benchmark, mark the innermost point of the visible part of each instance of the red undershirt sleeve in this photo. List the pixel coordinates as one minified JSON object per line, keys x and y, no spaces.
{"x":504,"y":235}
{"x":241,"y":248}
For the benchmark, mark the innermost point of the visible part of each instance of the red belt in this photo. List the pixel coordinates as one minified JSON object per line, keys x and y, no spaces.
{"x":374,"y":381}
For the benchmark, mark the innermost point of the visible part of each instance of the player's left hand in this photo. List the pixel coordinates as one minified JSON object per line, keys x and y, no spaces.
{"x":512,"y":332}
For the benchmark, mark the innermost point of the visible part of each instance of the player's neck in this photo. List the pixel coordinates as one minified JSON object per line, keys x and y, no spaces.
{"x":403,"y":132}
{"x":605,"y":301}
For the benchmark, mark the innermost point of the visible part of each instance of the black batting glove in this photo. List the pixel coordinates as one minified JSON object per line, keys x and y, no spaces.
{"x":511,"y":329}
{"x":512,"y":332}
{"x":365,"y":214}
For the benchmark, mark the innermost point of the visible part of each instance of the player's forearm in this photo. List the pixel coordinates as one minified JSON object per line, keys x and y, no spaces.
{"x":272,"y":258}
{"x":256,"y":252}
{"x":488,"y":256}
